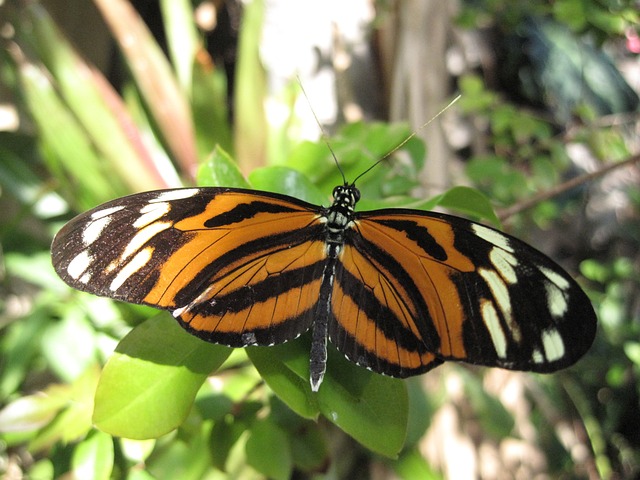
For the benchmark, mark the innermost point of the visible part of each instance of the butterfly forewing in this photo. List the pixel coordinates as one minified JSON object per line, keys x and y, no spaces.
{"x":234,"y":267}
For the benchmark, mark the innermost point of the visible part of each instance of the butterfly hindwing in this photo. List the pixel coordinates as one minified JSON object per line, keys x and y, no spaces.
{"x":376,"y":318}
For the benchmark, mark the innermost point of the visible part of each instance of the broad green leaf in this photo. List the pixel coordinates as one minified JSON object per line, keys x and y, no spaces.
{"x":149,"y":384}
{"x":287,"y":181}
{"x":370,"y":407}
{"x":310,"y":450}
{"x":93,"y":457}
{"x":285,"y":368}
{"x":470,"y":201}
{"x":226,"y":433}
{"x":42,"y":469}
{"x":30,"y":412}
{"x":421,"y":410}
{"x":137,"y":451}
{"x":20,"y":345}
{"x":184,"y":458}
{"x":69,"y":358}
{"x":220,"y":170}
{"x":268,"y":450}
{"x":413,"y":465}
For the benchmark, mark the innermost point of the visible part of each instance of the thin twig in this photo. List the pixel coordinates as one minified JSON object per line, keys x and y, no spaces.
{"x":505,"y":213}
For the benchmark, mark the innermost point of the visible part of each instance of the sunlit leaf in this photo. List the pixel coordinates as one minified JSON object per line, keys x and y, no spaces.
{"x":93,"y":457}
{"x":149,"y":384}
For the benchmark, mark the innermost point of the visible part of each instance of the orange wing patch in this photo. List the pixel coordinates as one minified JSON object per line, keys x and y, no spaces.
{"x":428,"y":270}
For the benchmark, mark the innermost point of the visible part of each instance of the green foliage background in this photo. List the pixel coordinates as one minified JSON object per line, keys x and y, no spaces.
{"x":100,"y":389}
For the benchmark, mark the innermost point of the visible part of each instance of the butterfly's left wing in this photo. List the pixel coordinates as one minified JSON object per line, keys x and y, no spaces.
{"x":424,"y":287}
{"x":236,"y":267}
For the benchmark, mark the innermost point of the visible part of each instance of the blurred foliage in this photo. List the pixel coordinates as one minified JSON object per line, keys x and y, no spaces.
{"x":99,"y":389}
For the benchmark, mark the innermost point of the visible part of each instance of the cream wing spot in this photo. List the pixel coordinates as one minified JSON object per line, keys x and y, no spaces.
{"x":556,"y":300}
{"x":178,"y":194}
{"x":94,"y":229}
{"x":492,"y":322}
{"x":504,"y":262}
{"x":554,"y":277}
{"x":500,"y":294}
{"x":79,"y":265}
{"x":492,"y":236}
{"x":537,"y":356}
{"x":105,"y":212}
{"x":135,"y":264}
{"x":552,"y":344}
{"x":142,"y":237}
{"x":150,"y":213}
{"x":498,"y":289}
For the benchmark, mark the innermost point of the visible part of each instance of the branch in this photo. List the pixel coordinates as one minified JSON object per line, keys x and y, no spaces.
{"x":505,"y":213}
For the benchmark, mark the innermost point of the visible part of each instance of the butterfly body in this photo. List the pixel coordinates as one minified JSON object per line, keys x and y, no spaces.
{"x":398,"y":291}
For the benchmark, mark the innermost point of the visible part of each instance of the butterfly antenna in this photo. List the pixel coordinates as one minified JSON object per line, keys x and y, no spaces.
{"x":324,"y":134}
{"x":413,"y":134}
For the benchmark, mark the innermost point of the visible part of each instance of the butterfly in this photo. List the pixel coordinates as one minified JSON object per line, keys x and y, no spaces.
{"x":397,"y":291}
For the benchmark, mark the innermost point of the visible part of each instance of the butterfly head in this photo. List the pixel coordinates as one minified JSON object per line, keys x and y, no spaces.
{"x":346,"y":196}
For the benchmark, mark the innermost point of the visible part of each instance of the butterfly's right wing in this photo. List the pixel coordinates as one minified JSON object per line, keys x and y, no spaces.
{"x":416,"y":288}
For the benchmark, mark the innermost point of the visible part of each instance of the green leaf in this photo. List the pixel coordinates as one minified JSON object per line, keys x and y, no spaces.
{"x":413,"y":465}
{"x":70,"y":358}
{"x":470,"y":201}
{"x":268,"y":450}
{"x":61,"y":134}
{"x":370,"y":407}
{"x":467,"y":200}
{"x":287,"y":181}
{"x":219,"y":169}
{"x":285,"y":368}
{"x":310,"y":450}
{"x":421,"y":410}
{"x":93,"y":457}
{"x":210,"y":113}
{"x":149,"y":384}
{"x":73,"y":421}
{"x":30,"y":412}
{"x":227,"y":432}
{"x":184,"y":457}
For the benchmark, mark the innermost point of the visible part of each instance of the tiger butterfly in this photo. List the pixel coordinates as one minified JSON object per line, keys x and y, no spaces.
{"x":397,"y":291}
